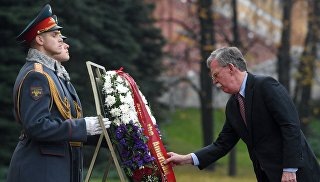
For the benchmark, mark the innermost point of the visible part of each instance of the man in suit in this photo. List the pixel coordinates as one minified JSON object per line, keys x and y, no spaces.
{"x":48,"y":108}
{"x":262,"y":114}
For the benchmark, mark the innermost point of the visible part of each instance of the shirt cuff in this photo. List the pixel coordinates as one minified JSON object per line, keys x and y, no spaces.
{"x":291,"y":170}
{"x":195,"y":159}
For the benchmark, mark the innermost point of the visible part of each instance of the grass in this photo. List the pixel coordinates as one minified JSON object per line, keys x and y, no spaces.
{"x":183,"y":135}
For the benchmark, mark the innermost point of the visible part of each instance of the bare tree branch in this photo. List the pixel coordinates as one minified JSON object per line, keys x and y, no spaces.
{"x":190,"y":30}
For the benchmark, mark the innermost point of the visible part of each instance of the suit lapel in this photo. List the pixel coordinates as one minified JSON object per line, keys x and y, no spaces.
{"x":249,"y":92}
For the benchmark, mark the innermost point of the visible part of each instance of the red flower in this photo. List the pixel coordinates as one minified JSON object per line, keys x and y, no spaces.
{"x":139,"y":174}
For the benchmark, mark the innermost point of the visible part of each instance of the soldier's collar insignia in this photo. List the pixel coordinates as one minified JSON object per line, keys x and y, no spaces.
{"x":36,"y":92}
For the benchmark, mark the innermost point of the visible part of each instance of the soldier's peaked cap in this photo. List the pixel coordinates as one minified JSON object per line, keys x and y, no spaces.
{"x":44,"y":22}
{"x":56,"y":19}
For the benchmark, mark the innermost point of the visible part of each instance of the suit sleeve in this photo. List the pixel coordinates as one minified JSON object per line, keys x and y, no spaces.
{"x":39,"y":121}
{"x":224,"y":143}
{"x":284,"y":113}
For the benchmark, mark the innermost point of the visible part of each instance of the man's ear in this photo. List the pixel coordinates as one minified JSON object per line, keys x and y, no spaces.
{"x":39,"y":40}
{"x":231,"y":66}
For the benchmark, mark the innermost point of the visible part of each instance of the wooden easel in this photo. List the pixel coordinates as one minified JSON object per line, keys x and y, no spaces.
{"x":95,"y":72}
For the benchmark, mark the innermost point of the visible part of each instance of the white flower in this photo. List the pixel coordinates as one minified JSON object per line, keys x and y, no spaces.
{"x":126,"y":118}
{"x":116,"y":121}
{"x":133,"y":115}
{"x":148,"y":109}
{"x":124,"y":108}
{"x":119,"y":80}
{"x":114,"y":87}
{"x":107,"y":86}
{"x":107,"y":83}
{"x":116,"y":112}
{"x":123,"y":99}
{"x":128,"y":99}
{"x":108,"y":91}
{"x":122,"y":89}
{"x":111,"y":74}
{"x":110,"y":100}
{"x":143,"y":98}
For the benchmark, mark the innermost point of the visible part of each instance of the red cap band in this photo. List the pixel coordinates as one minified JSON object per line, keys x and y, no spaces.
{"x":41,"y":27}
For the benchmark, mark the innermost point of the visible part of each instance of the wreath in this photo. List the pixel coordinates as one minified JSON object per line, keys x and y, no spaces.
{"x":133,"y":130}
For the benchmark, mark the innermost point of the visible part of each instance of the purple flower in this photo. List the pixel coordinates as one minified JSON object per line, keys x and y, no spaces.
{"x":123,"y":142}
{"x":127,"y":163}
{"x":148,"y":158}
{"x":125,"y":154}
{"x":119,"y":134}
{"x":132,"y":146}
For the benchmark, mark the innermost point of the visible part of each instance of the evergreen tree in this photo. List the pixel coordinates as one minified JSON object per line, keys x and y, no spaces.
{"x":13,"y":20}
{"x":96,"y":32}
{"x":146,"y":67}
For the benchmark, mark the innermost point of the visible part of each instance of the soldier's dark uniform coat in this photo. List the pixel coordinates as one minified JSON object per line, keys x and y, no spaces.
{"x":44,"y":152}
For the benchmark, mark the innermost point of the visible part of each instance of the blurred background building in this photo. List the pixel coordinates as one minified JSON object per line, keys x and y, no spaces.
{"x":260,"y":25}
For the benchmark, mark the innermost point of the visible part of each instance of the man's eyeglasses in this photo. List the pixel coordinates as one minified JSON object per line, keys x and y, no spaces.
{"x":215,"y":75}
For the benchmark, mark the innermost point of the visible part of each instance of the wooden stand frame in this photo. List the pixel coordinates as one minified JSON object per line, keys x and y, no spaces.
{"x":95,"y":72}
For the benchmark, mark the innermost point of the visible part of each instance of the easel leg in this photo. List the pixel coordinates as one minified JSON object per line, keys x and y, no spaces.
{"x":94,"y":158}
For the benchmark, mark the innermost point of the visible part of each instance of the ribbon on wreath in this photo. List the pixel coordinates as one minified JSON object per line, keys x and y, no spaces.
{"x":154,"y":142}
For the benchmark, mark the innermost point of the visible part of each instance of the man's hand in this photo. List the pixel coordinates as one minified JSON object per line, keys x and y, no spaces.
{"x":93,"y":125}
{"x":289,"y":177}
{"x":177,"y":159}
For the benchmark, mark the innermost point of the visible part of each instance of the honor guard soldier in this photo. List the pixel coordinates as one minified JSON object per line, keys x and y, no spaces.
{"x":48,"y":109}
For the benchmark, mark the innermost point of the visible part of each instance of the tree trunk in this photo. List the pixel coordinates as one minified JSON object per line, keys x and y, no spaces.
{"x":236,"y":42}
{"x":306,"y":67}
{"x":206,"y":46}
{"x":284,"y":59}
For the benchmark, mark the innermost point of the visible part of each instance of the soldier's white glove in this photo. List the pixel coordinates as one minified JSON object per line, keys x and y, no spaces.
{"x":93,"y":125}
{"x":106,"y":122}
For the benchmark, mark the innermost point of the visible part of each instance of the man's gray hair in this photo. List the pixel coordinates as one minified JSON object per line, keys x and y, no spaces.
{"x":227,"y":55}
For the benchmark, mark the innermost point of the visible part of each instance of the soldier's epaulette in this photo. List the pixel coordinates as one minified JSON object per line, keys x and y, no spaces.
{"x":38,"y":68}
{"x":63,"y":105}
